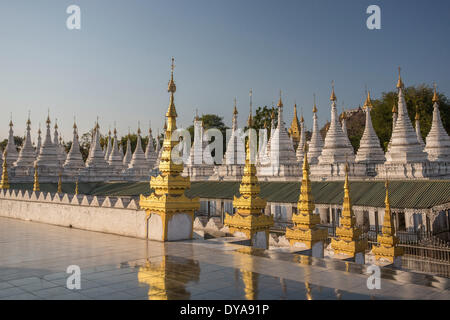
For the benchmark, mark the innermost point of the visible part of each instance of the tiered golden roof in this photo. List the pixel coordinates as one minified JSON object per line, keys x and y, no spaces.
{"x":4,"y":183}
{"x":305,"y":229}
{"x":168,"y":197}
{"x":387,"y":248}
{"x":368,"y":103}
{"x":348,"y":235}
{"x":249,"y":217}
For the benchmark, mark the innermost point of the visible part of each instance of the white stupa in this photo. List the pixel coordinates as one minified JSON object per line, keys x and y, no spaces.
{"x":39,"y":141}
{"x":235,"y":153}
{"x":59,"y":148}
{"x":128,"y":153}
{"x":116,"y":156}
{"x":47,"y":159}
{"x":11,"y":149}
{"x":138,"y":160}
{"x":27,"y":155}
{"x":438,"y":141}
{"x":369,"y":147}
{"x":281,"y":149}
{"x":108,"y":146}
{"x":96,"y":159}
{"x":405,"y":148}
{"x":417,"y":128}
{"x":336,"y":148}
{"x":74,"y":160}
{"x":301,"y":144}
{"x":315,"y":145}
{"x":150,"y":154}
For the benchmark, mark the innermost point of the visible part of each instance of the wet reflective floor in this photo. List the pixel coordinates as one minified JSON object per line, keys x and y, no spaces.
{"x":34,"y":258}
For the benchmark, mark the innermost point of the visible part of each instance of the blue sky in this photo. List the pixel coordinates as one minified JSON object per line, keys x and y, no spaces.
{"x":117,"y":66}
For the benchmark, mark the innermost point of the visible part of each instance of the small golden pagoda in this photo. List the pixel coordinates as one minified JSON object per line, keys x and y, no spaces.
{"x":76,"y":187}
{"x":294,"y":130}
{"x":387,"y":248}
{"x":305,"y":222}
{"x":158,"y":275}
{"x":347,"y":240}
{"x":249,"y":218}
{"x":36,"y":179}
{"x":4,"y":183}
{"x":168,"y":199}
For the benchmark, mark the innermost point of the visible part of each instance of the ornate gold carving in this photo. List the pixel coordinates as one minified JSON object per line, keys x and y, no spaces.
{"x":347,"y":240}
{"x":305,"y":222}
{"x":4,"y":183}
{"x":387,"y":248}
{"x":168,"y":196}
{"x":36,"y":179}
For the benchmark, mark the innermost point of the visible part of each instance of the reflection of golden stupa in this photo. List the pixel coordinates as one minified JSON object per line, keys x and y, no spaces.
{"x":305,"y":229}
{"x":168,"y":199}
{"x":387,"y":248}
{"x":249,"y":218}
{"x":163,"y":283}
{"x":347,"y":239}
{"x":250,"y":284}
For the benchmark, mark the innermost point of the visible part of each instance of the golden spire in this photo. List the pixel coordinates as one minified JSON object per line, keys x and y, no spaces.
{"x":388,"y":224}
{"x":4,"y":183}
{"x":399,"y":82}
{"x":59,"y":190}
{"x":368,"y":103}
{"x":348,"y":217}
{"x":28,"y":121}
{"x":333,"y":95}
{"x":394,"y":108}
{"x":76,"y":187}
{"x":435,"y":96}
{"x":314,"y":107}
{"x":56,"y":124}
{"x":306,"y":202}
{"x":172,"y":88}
{"x":48,"y":118}
{"x":280,"y":102}
{"x":36,"y":179}
{"x":417,"y":118}
{"x":235,"y":112}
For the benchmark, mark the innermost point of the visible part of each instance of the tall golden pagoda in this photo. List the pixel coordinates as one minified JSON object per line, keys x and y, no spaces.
{"x":171,"y":213}
{"x":294,"y":130}
{"x":347,"y":240}
{"x":249,"y":218}
{"x":305,"y":222}
{"x":4,"y":183}
{"x":387,"y":248}
{"x":36,"y":179}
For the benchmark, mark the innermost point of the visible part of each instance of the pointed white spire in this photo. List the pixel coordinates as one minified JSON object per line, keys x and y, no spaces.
{"x":39,"y":141}
{"x":74,"y":159}
{"x":344,"y":126}
{"x":405,"y":147}
{"x":116,"y":156}
{"x":59,"y":148}
{"x":108,"y":147}
{"x":96,"y":157}
{"x":417,"y":128}
{"x":369,"y":148}
{"x":438,"y":141}
{"x":336,"y":148}
{"x":316,"y":144}
{"x":48,"y":155}
{"x":27,"y":155}
{"x":235,"y":153}
{"x":128,"y":153}
{"x":150,"y":153}
{"x":138,"y":160}
{"x":11,"y":148}
{"x":301,"y":144}
{"x":281,"y":147}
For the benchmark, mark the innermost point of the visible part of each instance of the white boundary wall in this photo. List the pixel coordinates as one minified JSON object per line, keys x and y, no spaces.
{"x":110,"y":215}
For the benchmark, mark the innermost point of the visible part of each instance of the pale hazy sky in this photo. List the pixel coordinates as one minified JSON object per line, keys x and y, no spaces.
{"x":117,"y":66}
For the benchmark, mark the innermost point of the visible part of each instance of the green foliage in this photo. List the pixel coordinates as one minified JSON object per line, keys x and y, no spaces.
{"x":17,"y":140}
{"x":263,"y":116}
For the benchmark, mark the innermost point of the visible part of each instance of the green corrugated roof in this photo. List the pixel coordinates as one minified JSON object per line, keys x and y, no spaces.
{"x":403,"y":194}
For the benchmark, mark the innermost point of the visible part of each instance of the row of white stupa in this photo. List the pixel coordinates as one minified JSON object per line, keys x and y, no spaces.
{"x":407,"y":155}
{"x":51,"y":158}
